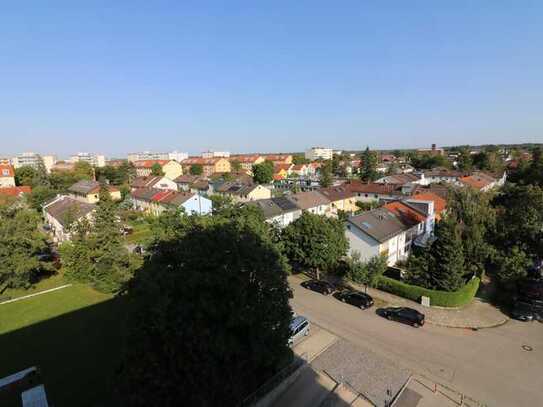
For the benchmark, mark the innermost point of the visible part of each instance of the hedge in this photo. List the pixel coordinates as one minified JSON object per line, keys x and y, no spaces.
{"x":438,"y":298}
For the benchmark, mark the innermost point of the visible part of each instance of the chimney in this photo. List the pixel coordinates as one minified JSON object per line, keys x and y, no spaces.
{"x":433,"y":147}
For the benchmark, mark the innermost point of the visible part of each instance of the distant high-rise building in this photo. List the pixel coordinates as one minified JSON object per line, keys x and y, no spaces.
{"x":33,"y":160}
{"x":177,"y":156}
{"x":147,"y":155}
{"x":316,"y":153}
{"x":215,"y":154}
{"x":95,"y":160}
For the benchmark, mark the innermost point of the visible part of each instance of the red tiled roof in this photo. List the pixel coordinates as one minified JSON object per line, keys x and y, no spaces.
{"x":201,"y":160}
{"x":476,"y":181}
{"x":406,"y":213}
{"x":15,"y":191}
{"x":280,"y":166}
{"x":7,"y":171}
{"x":245,"y":158}
{"x":149,"y":163}
{"x":374,"y":188}
{"x":439,"y":203}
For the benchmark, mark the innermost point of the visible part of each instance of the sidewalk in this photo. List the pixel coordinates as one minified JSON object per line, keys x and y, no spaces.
{"x":476,"y":315}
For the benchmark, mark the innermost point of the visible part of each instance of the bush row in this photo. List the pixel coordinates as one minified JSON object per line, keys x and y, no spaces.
{"x":438,"y":298}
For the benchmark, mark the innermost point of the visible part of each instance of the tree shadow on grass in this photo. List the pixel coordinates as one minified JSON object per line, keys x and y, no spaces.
{"x":77,"y":353}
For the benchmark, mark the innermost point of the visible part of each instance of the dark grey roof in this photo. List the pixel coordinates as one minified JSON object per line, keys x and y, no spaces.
{"x":84,"y":187}
{"x":268,"y":207}
{"x":66,"y":208}
{"x":380,"y":224}
{"x":285,"y":204}
{"x":309,"y":199}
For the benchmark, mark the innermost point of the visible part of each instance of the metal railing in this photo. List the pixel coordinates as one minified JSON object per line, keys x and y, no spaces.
{"x":461,"y":398}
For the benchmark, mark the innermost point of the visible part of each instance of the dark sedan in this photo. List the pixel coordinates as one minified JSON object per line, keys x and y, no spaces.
{"x":323,"y":287}
{"x":403,"y":314}
{"x":356,"y":298}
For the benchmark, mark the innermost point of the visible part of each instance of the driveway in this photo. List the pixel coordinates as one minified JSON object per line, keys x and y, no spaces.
{"x":489,"y":365}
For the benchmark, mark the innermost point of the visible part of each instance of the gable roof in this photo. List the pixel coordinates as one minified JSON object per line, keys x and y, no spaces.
{"x":439,"y":203}
{"x":146,"y":182}
{"x":337,"y":193}
{"x":285,"y":204}
{"x":380,"y":224}
{"x":63,"y":207}
{"x":245,"y":158}
{"x":477,"y":180}
{"x":407,"y":214}
{"x":6,"y":171}
{"x":375,"y":188}
{"x":85,"y":187}
{"x":187,"y":179}
{"x":15,"y":191}
{"x":309,"y":199}
{"x":202,"y":161}
{"x":399,"y":179}
{"x":149,"y":163}
{"x":269,"y":208}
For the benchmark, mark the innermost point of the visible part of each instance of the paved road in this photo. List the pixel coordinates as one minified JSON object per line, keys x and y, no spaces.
{"x":489,"y":365}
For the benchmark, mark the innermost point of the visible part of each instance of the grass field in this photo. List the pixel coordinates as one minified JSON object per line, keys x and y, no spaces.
{"x":55,"y":280}
{"x":142,"y":233}
{"x":73,"y":335}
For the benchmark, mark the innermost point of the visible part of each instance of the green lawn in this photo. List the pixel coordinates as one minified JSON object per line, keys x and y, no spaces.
{"x":73,"y":335}
{"x":142,"y":233}
{"x":55,"y":280}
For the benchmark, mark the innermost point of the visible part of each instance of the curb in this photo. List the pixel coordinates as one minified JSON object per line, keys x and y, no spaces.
{"x":495,"y":325}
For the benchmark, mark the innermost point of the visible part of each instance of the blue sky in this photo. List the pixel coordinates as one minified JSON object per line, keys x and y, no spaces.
{"x":115,"y":76}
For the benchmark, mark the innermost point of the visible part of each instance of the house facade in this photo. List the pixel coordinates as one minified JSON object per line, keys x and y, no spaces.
{"x":312,"y":202}
{"x":155,"y":201}
{"x":171,"y":169}
{"x":157,"y":182}
{"x":247,"y":161}
{"x":243,"y":193}
{"x":341,"y":199}
{"x":89,"y":191}
{"x":61,"y":212}
{"x":278,"y":211}
{"x":7,"y":176}
{"x":210,"y":166}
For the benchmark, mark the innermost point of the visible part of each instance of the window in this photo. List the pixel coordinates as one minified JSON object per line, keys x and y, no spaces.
{"x":5,"y":173}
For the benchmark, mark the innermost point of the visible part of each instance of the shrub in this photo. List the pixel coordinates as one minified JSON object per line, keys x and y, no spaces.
{"x":458,"y":298}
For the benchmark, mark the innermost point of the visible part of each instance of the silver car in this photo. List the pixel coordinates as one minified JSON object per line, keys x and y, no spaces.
{"x":299,"y":327}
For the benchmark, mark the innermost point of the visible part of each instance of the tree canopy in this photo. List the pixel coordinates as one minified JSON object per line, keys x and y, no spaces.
{"x":368,"y":169}
{"x":156,"y":170}
{"x":196,"y":169}
{"x":210,"y":318}
{"x":263,"y":172}
{"x":315,"y":242}
{"x":20,"y":244}
{"x":325,"y":179}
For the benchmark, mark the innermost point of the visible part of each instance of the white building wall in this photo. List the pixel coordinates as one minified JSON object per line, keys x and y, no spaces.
{"x":361,"y":243}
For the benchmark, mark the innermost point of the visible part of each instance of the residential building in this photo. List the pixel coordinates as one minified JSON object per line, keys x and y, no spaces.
{"x":440,"y":204}
{"x":93,"y":159}
{"x":301,"y":170}
{"x":210,"y":166}
{"x":5,"y":161}
{"x":281,"y":171}
{"x":278,"y":211}
{"x":242,"y":192}
{"x":247,"y":161}
{"x":177,"y":156}
{"x":171,"y":169}
{"x":402,"y":179}
{"x":431,"y":151}
{"x":61,"y":212}
{"x":371,"y":192}
{"x":312,"y":202}
{"x":482,"y":181}
{"x":215,"y":154}
{"x":10,"y":193}
{"x":7,"y":176}
{"x":33,"y":160}
{"x":278,"y":158}
{"x":89,"y":191}
{"x":437,"y":175}
{"x":154,"y":201}
{"x":376,"y":233}
{"x":341,"y":198}
{"x":60,"y":166}
{"x":116,"y":163}
{"x":319,"y":153}
{"x":147,"y":155}
{"x":185,"y":182}
{"x":157,"y":182}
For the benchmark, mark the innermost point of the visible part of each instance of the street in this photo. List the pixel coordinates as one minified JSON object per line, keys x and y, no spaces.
{"x":489,"y":365}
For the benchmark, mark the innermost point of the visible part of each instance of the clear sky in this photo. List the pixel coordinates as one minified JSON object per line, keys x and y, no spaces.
{"x":118,"y":76}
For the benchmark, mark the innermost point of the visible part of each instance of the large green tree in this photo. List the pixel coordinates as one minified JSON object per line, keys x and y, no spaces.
{"x":263,"y":172}
{"x":210,"y":318}
{"x":368,"y":169}
{"x":464,"y":161}
{"x":98,"y":255}
{"x":366,"y":273}
{"x":20,"y":244}
{"x":196,"y":169}
{"x":315,"y":242}
{"x":325,"y":179}
{"x":156,"y":170}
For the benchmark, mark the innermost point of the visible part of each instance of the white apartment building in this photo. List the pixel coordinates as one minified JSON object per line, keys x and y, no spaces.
{"x":147,"y":155}
{"x":215,"y":154}
{"x":177,"y":156}
{"x":34,"y":160}
{"x":93,"y":159}
{"x":316,"y":153}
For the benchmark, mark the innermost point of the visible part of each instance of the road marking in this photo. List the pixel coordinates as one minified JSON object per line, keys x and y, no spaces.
{"x":35,"y":294}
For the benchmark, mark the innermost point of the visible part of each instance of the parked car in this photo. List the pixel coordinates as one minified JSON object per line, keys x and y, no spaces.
{"x":50,"y":257}
{"x":299,"y":327}
{"x":356,"y":298}
{"x":531,"y":288}
{"x":323,"y":287}
{"x":522,"y":312}
{"x":403,"y":314}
